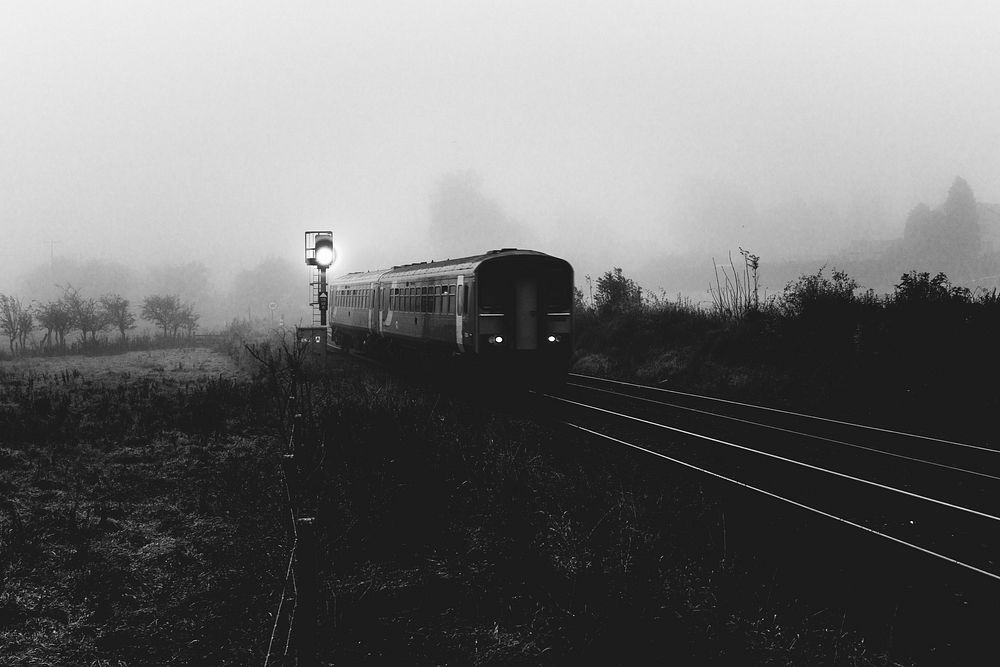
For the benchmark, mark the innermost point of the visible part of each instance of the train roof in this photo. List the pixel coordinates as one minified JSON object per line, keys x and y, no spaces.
{"x":447,"y":266}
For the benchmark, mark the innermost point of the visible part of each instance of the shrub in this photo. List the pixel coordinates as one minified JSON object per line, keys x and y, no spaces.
{"x":814,"y":293}
{"x":920,"y":288}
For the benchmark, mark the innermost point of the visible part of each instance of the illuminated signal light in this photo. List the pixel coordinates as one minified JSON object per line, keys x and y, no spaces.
{"x":553,"y":339}
{"x":496,"y":340}
{"x":325,"y":254}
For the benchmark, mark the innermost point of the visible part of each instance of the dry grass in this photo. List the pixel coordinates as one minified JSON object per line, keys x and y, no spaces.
{"x":182,"y":365}
{"x":137,"y":511}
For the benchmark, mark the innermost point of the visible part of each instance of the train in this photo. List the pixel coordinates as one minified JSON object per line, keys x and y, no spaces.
{"x":506,"y":311}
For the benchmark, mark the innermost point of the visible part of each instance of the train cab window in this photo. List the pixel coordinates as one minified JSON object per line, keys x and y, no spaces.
{"x":489,"y":300}
{"x":556,"y":297}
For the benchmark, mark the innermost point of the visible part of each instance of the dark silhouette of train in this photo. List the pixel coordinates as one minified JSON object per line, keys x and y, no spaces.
{"x":508,"y":310}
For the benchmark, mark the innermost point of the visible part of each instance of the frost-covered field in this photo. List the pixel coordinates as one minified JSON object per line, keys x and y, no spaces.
{"x":137,"y":496}
{"x":183,"y":364}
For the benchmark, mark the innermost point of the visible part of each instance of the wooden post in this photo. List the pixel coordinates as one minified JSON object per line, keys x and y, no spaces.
{"x":305,"y":582}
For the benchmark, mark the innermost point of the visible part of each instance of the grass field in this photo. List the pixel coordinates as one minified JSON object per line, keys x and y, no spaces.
{"x":141,"y":524}
{"x":136,"y":498}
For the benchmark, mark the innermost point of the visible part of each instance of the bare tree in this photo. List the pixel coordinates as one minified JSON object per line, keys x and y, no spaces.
{"x":15,"y":317}
{"x":117,"y":312}
{"x":57,"y":319}
{"x":162,"y":310}
{"x":88,"y":316}
{"x":25,"y":325}
{"x":188,"y":319}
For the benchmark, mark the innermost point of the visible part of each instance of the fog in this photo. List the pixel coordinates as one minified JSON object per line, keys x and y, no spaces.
{"x":632,"y":134}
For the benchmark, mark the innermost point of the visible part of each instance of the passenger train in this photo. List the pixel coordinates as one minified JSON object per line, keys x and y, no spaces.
{"x":508,"y":310}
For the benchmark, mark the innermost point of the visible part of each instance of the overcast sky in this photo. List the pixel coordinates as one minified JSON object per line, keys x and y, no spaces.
{"x":220,"y":131}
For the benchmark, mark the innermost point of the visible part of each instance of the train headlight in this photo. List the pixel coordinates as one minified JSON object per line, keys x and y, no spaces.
{"x":325,"y":254}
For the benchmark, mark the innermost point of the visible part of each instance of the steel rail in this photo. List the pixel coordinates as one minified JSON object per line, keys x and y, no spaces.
{"x":835,"y":441}
{"x":790,"y":501}
{"x":860,"y":480}
{"x":792,"y":413}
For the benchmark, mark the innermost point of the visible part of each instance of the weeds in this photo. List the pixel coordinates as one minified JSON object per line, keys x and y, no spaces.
{"x":737,"y":294}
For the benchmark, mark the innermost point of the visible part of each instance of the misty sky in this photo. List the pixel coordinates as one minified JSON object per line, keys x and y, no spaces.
{"x":606,"y":131}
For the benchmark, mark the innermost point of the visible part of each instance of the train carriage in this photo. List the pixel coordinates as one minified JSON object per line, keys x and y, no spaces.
{"x":507,"y":309}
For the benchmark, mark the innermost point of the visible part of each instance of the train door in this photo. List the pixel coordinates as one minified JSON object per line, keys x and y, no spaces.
{"x":526,"y":313}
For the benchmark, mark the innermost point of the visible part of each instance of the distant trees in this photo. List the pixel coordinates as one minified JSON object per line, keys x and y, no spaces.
{"x":460,"y":211}
{"x":57,"y":320}
{"x":168,"y":313}
{"x":16,"y":321}
{"x":90,"y":316}
{"x":86,"y":312}
{"x":119,"y":315}
{"x":949,"y":233}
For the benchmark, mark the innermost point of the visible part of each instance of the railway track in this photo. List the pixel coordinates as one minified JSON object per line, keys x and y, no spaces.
{"x":931,"y":496}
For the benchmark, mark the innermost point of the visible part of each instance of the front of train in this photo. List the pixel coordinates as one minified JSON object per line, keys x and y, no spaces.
{"x":524,"y":315}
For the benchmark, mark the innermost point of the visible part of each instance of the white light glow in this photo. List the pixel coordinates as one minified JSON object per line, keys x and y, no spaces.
{"x":325,"y":256}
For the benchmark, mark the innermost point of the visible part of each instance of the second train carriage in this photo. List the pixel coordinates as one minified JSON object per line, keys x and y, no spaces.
{"x":509,"y":309}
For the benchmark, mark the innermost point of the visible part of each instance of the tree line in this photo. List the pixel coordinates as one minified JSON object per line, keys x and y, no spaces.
{"x":90,"y":316}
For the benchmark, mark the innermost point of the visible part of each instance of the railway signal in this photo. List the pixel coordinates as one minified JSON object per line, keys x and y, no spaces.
{"x":321,"y":254}
{"x":324,"y":254}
